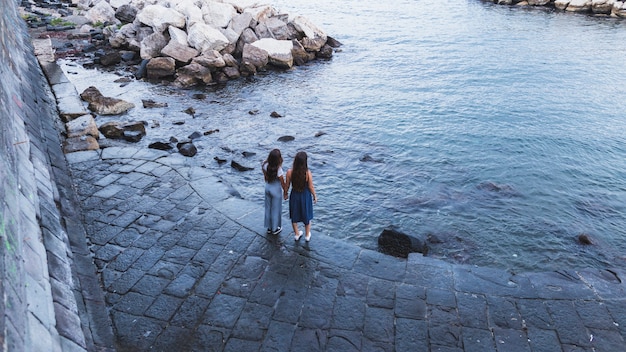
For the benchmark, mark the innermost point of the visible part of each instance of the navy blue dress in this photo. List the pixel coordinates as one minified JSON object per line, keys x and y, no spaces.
{"x":301,"y":205}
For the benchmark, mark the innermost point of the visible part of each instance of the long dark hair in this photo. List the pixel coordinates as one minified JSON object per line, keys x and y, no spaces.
{"x":298,"y":174}
{"x":274,"y":161}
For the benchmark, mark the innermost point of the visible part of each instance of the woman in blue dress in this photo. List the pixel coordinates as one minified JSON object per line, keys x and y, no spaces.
{"x":302,"y":196}
{"x":275,"y":190}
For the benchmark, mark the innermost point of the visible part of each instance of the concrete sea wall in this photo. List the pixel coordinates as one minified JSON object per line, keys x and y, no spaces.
{"x":47,"y":277}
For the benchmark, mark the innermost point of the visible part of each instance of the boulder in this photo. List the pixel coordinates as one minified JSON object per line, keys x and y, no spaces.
{"x":77,"y":144}
{"x":159,"y":18}
{"x":313,"y":37}
{"x":398,"y":244}
{"x":178,"y":35}
{"x":274,"y":28}
{"x":278,"y":51}
{"x":579,"y":6}
{"x":126,"y":13}
{"x":217,"y":14}
{"x":619,"y":9}
{"x":152,"y":45}
{"x":179,"y":52}
{"x":187,"y":148}
{"x":240,"y":22}
{"x":160,"y":146}
{"x":190,"y":10}
{"x":254,"y":56}
{"x":204,"y":37}
{"x":104,"y":105}
{"x":197,"y":71}
{"x":82,"y":126}
{"x":102,"y":12}
{"x":159,"y":67}
{"x":538,"y":2}
{"x":231,"y":72}
{"x":261,"y":12}
{"x":211,"y":59}
{"x":132,"y":131}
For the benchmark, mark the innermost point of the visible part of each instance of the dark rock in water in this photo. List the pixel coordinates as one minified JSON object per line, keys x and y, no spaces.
{"x":160,"y":146}
{"x":120,"y":130}
{"x":206,"y":133}
{"x":133,"y":136}
{"x":178,"y":123}
{"x":333,"y":42}
{"x":584,"y":239}
{"x":142,"y":71}
{"x":187,"y":149}
{"x":149,"y":103}
{"x":127,"y":55}
{"x":369,"y":158}
{"x":398,"y":244}
{"x":326,"y":52}
{"x":195,"y":135}
{"x":493,"y":187}
{"x":248,"y":154}
{"x":191,"y":111}
{"x":220,"y":160}
{"x":235,"y":165}
{"x":111,"y":58}
{"x":275,"y":114}
{"x":319,"y":134}
{"x":253,"y":112}
{"x":199,"y":96}
{"x":286,"y":138}
{"x":173,"y":140}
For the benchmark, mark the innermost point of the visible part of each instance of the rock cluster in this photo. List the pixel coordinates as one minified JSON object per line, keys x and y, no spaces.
{"x":208,"y":41}
{"x":614,"y":8}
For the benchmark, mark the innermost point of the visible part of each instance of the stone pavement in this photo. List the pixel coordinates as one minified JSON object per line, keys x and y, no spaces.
{"x":186,"y":266}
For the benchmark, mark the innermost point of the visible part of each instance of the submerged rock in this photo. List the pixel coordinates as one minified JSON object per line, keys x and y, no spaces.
{"x":398,"y":244}
{"x":104,"y":105}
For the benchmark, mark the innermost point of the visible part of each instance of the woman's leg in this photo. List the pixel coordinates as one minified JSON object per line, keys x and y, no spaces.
{"x":276,"y":206}
{"x":268,"y":209}
{"x":307,"y":227}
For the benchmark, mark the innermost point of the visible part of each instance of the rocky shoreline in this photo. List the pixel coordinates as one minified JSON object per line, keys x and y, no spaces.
{"x":183,"y":43}
{"x":612,"y":8}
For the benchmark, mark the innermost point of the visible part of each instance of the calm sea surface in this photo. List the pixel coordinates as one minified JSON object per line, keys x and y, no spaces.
{"x":500,"y":132}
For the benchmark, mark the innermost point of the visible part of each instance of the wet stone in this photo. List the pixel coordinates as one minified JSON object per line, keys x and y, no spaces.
{"x":411,"y":335}
{"x":163,"y":307}
{"x":181,"y":286}
{"x":348,"y":313}
{"x":224,"y":310}
{"x":253,"y":322}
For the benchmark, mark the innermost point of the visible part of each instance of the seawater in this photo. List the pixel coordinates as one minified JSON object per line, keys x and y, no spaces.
{"x":500,"y":132}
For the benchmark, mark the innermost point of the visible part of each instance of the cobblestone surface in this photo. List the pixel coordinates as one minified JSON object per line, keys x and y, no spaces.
{"x":187,"y":267}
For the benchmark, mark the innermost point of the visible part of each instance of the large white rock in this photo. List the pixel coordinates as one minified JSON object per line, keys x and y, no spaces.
{"x":82,"y":126}
{"x":579,"y":6}
{"x":102,"y":12}
{"x":241,"y":21}
{"x":217,"y":14}
{"x":178,"y":35}
{"x":278,"y":51}
{"x":159,"y":17}
{"x":261,"y":12}
{"x":619,"y":9}
{"x":191,"y":10}
{"x":204,"y":37}
{"x":315,"y":38}
{"x":152,"y":45}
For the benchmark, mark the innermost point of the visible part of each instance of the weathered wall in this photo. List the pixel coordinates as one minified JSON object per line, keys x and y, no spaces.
{"x":42,"y":306}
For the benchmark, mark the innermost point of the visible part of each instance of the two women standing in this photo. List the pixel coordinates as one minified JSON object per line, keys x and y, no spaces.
{"x":301,"y":199}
